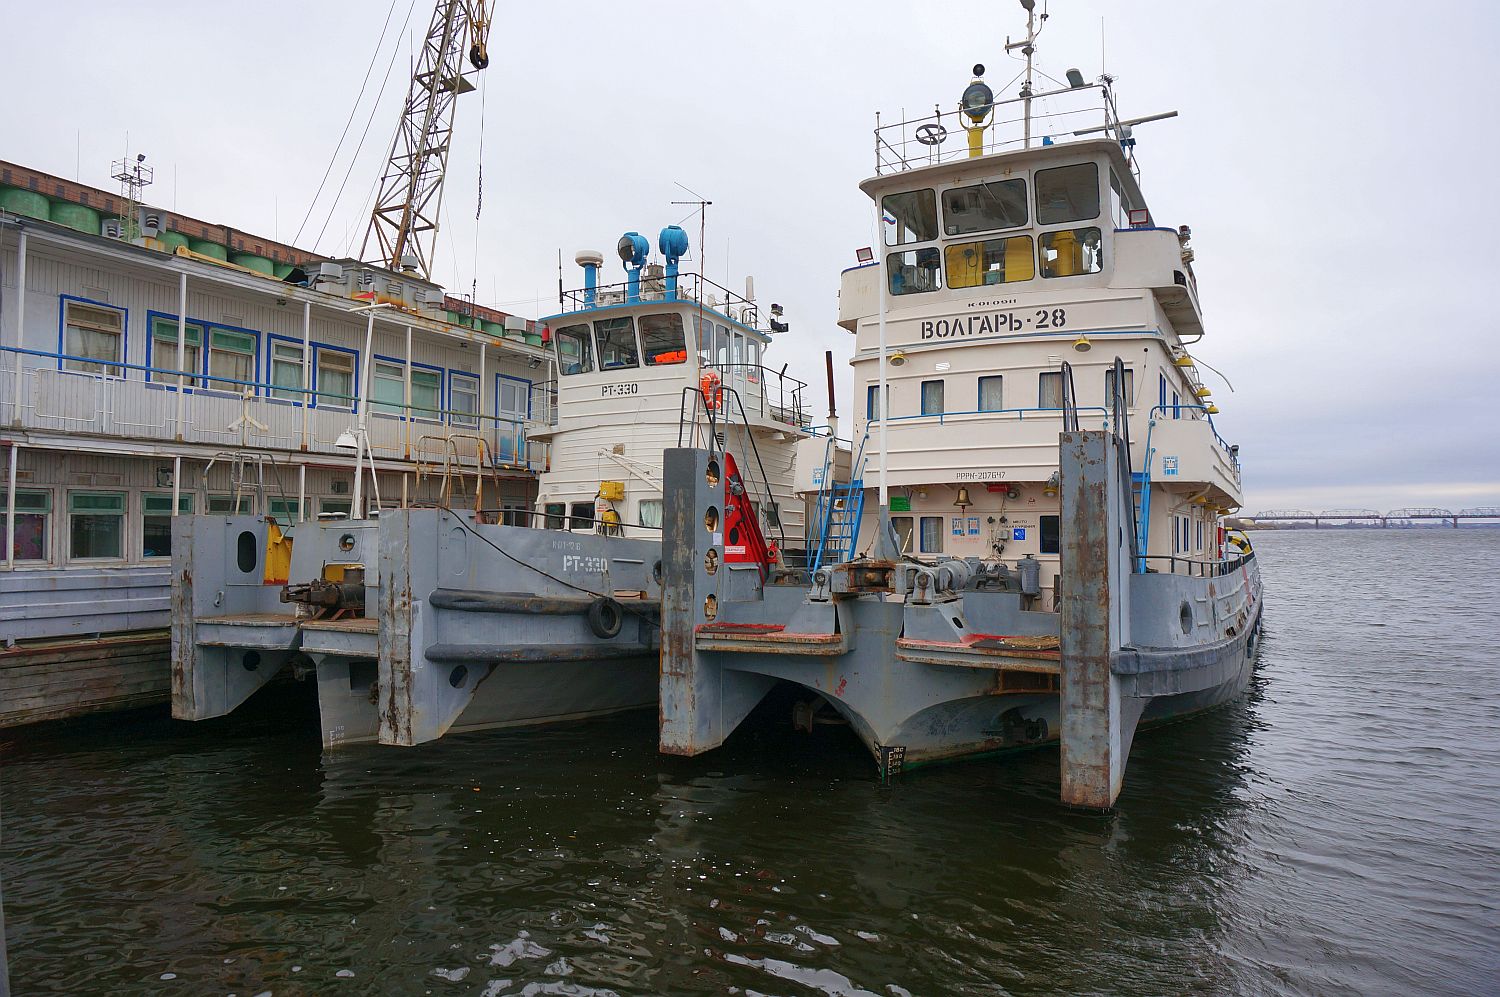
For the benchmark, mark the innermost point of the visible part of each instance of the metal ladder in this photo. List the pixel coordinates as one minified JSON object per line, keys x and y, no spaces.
{"x":840,"y":508}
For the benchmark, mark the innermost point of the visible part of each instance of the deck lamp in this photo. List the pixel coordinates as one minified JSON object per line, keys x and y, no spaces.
{"x":1212,"y":409}
{"x":1202,"y":392}
{"x":346,"y":441}
{"x":1050,"y":489}
{"x":1082,"y":344}
{"x":1183,"y":361}
{"x":897,"y":359}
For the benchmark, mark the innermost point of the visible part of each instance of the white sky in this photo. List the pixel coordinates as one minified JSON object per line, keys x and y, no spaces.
{"x":1328,"y":158}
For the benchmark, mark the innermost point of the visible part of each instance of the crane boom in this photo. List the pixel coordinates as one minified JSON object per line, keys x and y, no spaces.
{"x":409,"y":198}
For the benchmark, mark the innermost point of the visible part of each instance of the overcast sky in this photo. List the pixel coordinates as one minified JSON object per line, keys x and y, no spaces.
{"x":1328,"y":158}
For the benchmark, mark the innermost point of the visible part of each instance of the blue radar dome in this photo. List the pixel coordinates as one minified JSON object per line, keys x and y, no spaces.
{"x":633,"y":249}
{"x":673,"y":242}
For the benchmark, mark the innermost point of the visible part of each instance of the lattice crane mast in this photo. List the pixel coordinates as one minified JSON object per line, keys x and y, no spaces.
{"x":404,"y":224}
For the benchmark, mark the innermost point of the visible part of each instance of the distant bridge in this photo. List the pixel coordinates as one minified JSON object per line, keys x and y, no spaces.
{"x":1410,"y":514}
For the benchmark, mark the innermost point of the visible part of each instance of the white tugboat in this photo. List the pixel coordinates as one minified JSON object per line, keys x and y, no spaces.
{"x":455,"y":617}
{"x":1048,"y":561}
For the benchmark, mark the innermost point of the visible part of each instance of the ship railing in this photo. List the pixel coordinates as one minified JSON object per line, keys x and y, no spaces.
{"x":222,"y":411}
{"x":691,"y":288}
{"x":939,"y":137}
{"x":765,"y":391}
{"x":704,"y":419}
{"x":1021,"y":414}
{"x":1199,"y":567}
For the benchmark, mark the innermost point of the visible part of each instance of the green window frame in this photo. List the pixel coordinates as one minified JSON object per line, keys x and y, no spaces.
{"x":164,"y":353}
{"x":156,"y":521}
{"x":33,"y":539}
{"x":96,"y":526}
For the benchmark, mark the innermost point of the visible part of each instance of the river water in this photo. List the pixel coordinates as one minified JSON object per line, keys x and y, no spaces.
{"x":1336,"y":831}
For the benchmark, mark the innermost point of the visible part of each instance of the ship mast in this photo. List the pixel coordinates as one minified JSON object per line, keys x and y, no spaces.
{"x":1028,"y":48}
{"x":409,"y":200}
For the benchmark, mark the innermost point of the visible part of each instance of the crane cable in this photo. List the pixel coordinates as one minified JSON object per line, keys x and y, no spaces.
{"x":353,"y":109}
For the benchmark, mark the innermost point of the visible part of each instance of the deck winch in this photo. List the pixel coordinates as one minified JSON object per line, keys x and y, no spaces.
{"x":341,"y":588}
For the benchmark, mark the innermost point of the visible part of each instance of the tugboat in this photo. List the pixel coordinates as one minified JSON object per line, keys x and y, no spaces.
{"x":1048,"y":561}
{"x":458,"y":616}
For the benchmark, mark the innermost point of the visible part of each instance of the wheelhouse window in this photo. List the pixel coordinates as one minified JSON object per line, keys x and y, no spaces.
{"x":555,"y":515}
{"x":910,"y":216}
{"x":984,"y":207}
{"x":231,"y":355}
{"x":286,"y":371}
{"x":1067,"y":194}
{"x":663,"y":340}
{"x":335,"y":379}
{"x":993,"y":261}
{"x":1050,"y":389}
{"x":1109,"y":387}
{"x":931,"y":539}
{"x":33,"y":516}
{"x":932,"y":397}
{"x":575,"y":349}
{"x":617,"y":349}
{"x":992,"y":393}
{"x":914,"y":271}
{"x":156,"y":522}
{"x":872,"y":401}
{"x":164,"y":353}
{"x":96,"y":525}
{"x":1071,"y":252}
{"x":93,"y":338}
{"x":705,"y":332}
{"x":463,"y":399}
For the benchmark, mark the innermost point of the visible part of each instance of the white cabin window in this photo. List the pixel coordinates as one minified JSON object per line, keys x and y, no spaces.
{"x":705,"y":332}
{"x":225,"y":505}
{"x":33,"y":517}
{"x":1067,"y":194}
{"x":1071,"y":252}
{"x":993,"y":261}
{"x":96,"y":525}
{"x":388,"y":387}
{"x":285,"y":510}
{"x":156,"y":521}
{"x":617,"y":347}
{"x":1109,"y":388}
{"x":914,"y":271}
{"x":910,"y":216}
{"x":663,"y":340}
{"x":932,"y":397}
{"x":286,"y":371}
{"x":984,"y":207}
{"x":555,"y":515}
{"x":932,"y":535}
{"x":231,"y":355}
{"x":164,"y":353}
{"x":1049,"y":389}
{"x":992,"y":393}
{"x":335,"y":379}
{"x":426,"y":393}
{"x":581,"y":516}
{"x":650,"y":513}
{"x":575,"y":349}
{"x":94,"y":336}
{"x":903,"y":525}
{"x":463,"y":399}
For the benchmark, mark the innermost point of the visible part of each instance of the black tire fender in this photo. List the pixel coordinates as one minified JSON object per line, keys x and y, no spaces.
{"x":605,"y":618}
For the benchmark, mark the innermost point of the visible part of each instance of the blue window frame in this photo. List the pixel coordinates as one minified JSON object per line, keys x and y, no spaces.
{"x":337,"y":386}
{"x":83,"y":363}
{"x":228,"y":352}
{"x":284,"y":373}
{"x":1176,"y":405}
{"x":161,"y":325}
{"x":463,"y":398}
{"x":872,"y":402}
{"x":388,"y":388}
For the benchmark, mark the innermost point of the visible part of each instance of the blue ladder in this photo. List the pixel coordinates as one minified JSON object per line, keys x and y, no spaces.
{"x":840,"y":508}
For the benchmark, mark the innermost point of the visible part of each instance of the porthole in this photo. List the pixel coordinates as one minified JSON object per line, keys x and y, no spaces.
{"x":457,"y":676}
{"x":711,"y":519}
{"x":346,"y":542}
{"x":1186,"y":616}
{"x":710,"y":608}
{"x":712,"y":477}
{"x":245,"y":548}
{"x":250,"y":661}
{"x":711,"y":560}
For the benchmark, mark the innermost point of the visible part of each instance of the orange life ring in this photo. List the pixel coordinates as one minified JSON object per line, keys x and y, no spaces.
{"x":710,"y":383}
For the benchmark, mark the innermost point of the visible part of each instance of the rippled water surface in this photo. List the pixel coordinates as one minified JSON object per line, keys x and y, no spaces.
{"x":1337,"y":831}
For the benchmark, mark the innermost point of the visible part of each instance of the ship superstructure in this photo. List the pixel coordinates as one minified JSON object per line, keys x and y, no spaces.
{"x":1037,"y":551}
